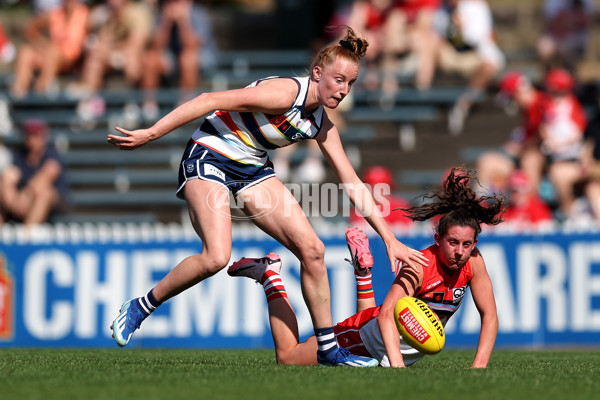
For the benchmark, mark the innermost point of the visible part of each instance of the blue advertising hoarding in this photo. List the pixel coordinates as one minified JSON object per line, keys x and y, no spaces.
{"x":66,"y":293}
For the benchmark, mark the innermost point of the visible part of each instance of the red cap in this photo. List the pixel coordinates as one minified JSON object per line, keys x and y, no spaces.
{"x":378,"y":174}
{"x":34,"y":125}
{"x":512,"y":81}
{"x":559,"y":80}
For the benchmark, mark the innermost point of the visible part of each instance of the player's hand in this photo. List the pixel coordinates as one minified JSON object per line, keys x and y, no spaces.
{"x":130,"y":140}
{"x":411,"y":257}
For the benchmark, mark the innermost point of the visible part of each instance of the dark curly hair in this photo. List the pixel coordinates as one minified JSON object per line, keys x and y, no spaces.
{"x":458,"y":204}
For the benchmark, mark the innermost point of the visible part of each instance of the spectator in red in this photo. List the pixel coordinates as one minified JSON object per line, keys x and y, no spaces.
{"x":381,"y":182}
{"x":516,"y":87}
{"x":522,"y":148}
{"x":7,"y":48}
{"x":526,"y":209}
{"x":562,"y":136}
{"x":369,"y":17}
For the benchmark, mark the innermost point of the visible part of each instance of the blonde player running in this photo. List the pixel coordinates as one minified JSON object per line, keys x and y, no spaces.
{"x":228,"y":153}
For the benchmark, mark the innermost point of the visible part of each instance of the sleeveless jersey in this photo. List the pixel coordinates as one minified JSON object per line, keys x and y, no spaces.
{"x":246,"y":136}
{"x":442,"y":290}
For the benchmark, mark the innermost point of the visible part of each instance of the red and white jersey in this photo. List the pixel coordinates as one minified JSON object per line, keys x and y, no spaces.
{"x":443,"y":290}
{"x":412,"y":8}
{"x":532,"y":118}
{"x":246,"y":136}
{"x":564,"y":123}
{"x":528,"y":211}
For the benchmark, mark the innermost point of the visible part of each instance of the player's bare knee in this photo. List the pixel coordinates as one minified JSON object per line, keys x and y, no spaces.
{"x":313,"y":250}
{"x":208,"y":263}
{"x":218,"y":259}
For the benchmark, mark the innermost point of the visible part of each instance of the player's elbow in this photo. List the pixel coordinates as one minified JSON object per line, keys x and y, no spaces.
{"x":207,"y":99}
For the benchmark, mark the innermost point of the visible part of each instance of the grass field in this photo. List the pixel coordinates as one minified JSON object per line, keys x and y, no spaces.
{"x":252,"y":374}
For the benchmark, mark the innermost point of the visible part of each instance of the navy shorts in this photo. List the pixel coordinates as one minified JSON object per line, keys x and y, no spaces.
{"x":200,"y":162}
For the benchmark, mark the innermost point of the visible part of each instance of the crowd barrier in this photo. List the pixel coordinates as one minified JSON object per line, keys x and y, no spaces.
{"x":63,"y":286}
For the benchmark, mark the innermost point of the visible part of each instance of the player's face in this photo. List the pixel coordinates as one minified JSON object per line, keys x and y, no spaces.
{"x":456,"y":246}
{"x":36,"y":141}
{"x":334,"y":81}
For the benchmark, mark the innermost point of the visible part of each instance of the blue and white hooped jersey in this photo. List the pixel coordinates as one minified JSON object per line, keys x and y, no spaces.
{"x":246,"y":136}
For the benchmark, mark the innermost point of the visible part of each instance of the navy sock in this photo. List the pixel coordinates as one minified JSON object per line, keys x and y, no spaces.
{"x":149,"y":303}
{"x":326,"y":340}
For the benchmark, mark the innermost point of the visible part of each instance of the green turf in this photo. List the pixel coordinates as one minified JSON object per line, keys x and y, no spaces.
{"x":252,"y":374}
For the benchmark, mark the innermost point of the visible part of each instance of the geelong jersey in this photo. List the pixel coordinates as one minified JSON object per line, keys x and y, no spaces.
{"x":442,"y":290}
{"x":246,"y":136}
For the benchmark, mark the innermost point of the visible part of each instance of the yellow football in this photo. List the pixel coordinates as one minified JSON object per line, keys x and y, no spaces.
{"x":419,"y":326}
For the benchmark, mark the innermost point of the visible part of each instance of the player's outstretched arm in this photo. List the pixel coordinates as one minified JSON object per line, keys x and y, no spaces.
{"x":358,"y":193}
{"x":483,"y":296}
{"x":272,"y":96}
{"x":405,"y":284}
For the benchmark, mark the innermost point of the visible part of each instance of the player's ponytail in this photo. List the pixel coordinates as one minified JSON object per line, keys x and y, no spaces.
{"x":351,"y":47}
{"x":458,"y":204}
{"x":356,"y":45}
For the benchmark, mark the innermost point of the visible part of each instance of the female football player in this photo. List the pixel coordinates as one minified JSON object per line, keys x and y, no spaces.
{"x":454,"y":265}
{"x":229,"y":153}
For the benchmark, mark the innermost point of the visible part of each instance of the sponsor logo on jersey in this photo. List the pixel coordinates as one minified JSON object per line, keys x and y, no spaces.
{"x":459,"y":292}
{"x":438,"y":297}
{"x":210,"y":169}
{"x":433,"y":285}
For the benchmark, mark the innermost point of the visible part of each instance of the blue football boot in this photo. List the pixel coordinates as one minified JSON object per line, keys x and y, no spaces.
{"x":129,"y":319}
{"x":343,"y":358}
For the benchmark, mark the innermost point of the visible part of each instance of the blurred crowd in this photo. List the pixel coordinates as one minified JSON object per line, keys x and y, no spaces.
{"x":70,"y":46}
{"x":147,"y":42}
{"x":549,"y":168}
